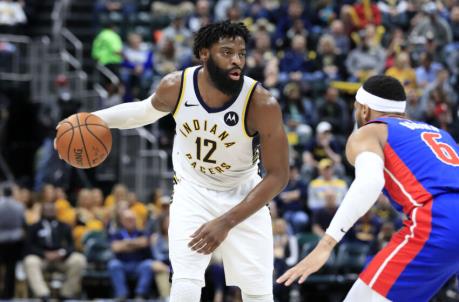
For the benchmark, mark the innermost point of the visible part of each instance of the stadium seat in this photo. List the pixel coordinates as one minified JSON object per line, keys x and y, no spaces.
{"x":351,"y":257}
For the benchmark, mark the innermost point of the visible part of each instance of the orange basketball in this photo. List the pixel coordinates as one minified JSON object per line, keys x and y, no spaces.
{"x":83,"y":140}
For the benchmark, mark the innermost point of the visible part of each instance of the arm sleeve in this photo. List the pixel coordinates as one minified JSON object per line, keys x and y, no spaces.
{"x":130,"y":115}
{"x":368,"y":183}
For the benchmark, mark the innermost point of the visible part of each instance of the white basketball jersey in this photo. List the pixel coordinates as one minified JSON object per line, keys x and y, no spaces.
{"x":211,"y":146}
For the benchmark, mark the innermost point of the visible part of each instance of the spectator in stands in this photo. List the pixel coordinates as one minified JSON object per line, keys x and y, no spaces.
{"x":64,"y":211}
{"x":126,"y":7}
{"x":386,"y":213}
{"x":403,"y":71}
{"x":332,"y":109}
{"x":11,"y":239}
{"x":234,"y":13}
{"x":298,"y":114}
{"x":137,"y":68}
{"x":285,"y":255}
{"x":414,"y":109}
{"x":107,"y":48}
{"x":169,"y":7}
{"x":339,"y":35}
{"x":323,"y":216}
{"x":443,"y":85}
{"x":119,"y":193}
{"x":11,"y":15}
{"x":432,"y":24}
{"x":327,"y":183}
{"x":329,"y":60}
{"x":50,"y":247}
{"x":260,"y":55}
{"x":427,"y":71}
{"x":160,"y":252}
{"x":97,"y":201}
{"x":308,"y":166}
{"x":394,"y":13}
{"x":439,"y":109}
{"x":114,"y":217}
{"x":454,"y":23}
{"x":271,"y":77}
{"x":132,"y":258}
{"x":366,"y":229}
{"x":139,"y":209}
{"x":31,"y":205}
{"x":86,"y":219}
{"x":397,"y":44}
{"x":292,"y":201}
{"x":367,"y":12}
{"x":325,"y":145}
{"x":365,"y":60}
{"x":47,"y":194}
{"x":167,"y":60}
{"x":290,"y":16}
{"x":201,"y":16}
{"x":381,"y":240}
{"x":182,"y":37}
{"x":295,"y":61}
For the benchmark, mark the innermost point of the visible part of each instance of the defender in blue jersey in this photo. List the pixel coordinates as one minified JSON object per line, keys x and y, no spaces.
{"x":416,"y":165}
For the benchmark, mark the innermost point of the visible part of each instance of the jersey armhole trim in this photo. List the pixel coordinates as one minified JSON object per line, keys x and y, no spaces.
{"x":246,"y":106}
{"x":181,"y":93}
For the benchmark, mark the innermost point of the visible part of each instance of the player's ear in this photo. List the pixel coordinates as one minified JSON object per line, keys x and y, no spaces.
{"x":366,"y":113}
{"x":204,"y":54}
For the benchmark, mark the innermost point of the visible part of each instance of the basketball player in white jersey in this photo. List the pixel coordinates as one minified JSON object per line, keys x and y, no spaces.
{"x":219,"y":199}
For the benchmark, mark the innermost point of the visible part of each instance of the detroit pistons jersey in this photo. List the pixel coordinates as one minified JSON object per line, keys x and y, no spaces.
{"x":421,"y":163}
{"x":212,"y":147}
{"x":421,"y":170}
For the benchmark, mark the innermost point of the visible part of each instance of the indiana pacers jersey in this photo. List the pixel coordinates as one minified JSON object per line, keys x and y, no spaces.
{"x":211,"y":146}
{"x":421,"y":169}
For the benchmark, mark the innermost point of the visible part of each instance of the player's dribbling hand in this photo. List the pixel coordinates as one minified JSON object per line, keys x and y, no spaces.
{"x":309,"y":265}
{"x":209,"y":236}
{"x":54,"y":141}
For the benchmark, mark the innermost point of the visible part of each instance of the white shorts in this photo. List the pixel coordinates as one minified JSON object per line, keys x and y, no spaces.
{"x":247,"y":252}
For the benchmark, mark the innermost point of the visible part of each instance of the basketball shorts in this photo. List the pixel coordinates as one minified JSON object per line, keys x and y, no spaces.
{"x":421,"y":257}
{"x":247,"y":251}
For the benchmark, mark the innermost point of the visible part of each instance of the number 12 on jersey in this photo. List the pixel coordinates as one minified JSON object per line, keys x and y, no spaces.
{"x":443,"y":151}
{"x":207,"y":143}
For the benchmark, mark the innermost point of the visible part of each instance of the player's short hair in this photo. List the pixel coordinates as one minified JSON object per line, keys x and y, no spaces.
{"x":385,"y":87}
{"x":212,"y":33}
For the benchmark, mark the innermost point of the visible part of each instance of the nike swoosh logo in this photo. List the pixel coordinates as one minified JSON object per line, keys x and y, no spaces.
{"x":342,"y":230}
{"x":190,"y":105}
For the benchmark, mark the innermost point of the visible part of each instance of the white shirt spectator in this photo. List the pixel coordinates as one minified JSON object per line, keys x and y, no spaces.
{"x":11,"y":13}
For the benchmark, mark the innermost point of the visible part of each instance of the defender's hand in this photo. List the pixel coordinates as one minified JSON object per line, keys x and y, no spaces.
{"x":209,"y":236}
{"x":309,"y":265}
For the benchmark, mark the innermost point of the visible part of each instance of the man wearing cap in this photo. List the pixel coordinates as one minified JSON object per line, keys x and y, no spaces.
{"x":417,"y":167}
{"x":327,"y":182}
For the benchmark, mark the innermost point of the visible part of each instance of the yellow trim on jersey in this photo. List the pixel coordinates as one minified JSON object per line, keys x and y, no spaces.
{"x":182,"y":93}
{"x":246,"y":103}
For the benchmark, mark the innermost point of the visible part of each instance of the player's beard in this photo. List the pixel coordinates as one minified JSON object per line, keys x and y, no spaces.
{"x":221,"y":80}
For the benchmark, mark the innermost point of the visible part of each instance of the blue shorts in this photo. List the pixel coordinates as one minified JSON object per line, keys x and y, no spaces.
{"x":422,"y":256}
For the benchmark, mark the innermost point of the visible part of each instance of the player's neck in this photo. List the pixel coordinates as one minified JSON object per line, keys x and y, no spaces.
{"x":376,"y":115}
{"x":211,"y":95}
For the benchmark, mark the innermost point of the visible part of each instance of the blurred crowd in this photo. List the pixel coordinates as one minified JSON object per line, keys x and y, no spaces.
{"x":312,"y":56}
{"x":115,"y":234}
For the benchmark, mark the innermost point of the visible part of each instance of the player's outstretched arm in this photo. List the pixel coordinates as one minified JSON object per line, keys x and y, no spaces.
{"x":264,"y":117}
{"x":138,"y":114}
{"x":364,"y":150}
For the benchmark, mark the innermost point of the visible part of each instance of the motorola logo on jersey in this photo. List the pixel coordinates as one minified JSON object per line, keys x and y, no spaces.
{"x":231,"y":118}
